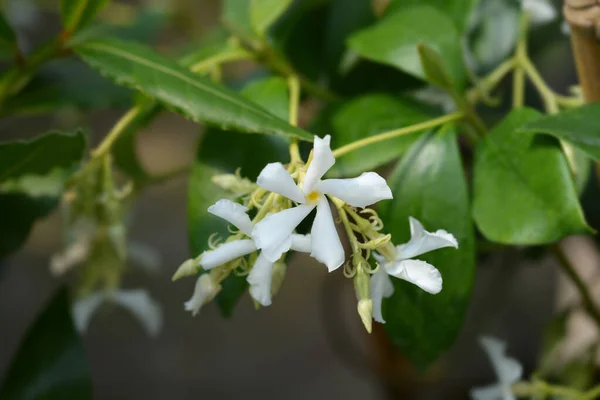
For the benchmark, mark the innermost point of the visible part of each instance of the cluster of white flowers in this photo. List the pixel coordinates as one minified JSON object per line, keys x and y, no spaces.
{"x":286,"y":196}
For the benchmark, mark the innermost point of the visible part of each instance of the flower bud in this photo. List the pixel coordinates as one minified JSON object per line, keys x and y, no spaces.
{"x":233,"y":183}
{"x":279,"y":271}
{"x":188,"y":268}
{"x":377,"y":243}
{"x":365,"y":310}
{"x":362,"y":283}
{"x":205,"y":290}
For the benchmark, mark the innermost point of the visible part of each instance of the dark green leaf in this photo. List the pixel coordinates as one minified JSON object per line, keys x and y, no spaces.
{"x":8,"y":40}
{"x":263,"y":13}
{"x":578,"y":126}
{"x":394,"y":40}
{"x":458,"y":10}
{"x":50,"y":363}
{"x":193,"y":96}
{"x":429,"y":185}
{"x":368,"y":116}
{"x":516,"y":200}
{"x":76,"y":14}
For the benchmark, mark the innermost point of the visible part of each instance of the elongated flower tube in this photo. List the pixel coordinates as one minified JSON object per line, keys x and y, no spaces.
{"x":508,"y":370}
{"x":420,"y":273}
{"x":261,"y":273}
{"x":273,"y":235}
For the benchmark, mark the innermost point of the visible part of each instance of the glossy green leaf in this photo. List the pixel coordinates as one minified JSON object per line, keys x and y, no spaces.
{"x":370,"y":115}
{"x":224,"y":152}
{"x":235,"y":15}
{"x":76,"y":14}
{"x":429,"y":185}
{"x":195,"y":97}
{"x":457,"y":10}
{"x":50,"y":363}
{"x":394,"y":40}
{"x":578,"y":126}
{"x":516,"y":177}
{"x":263,"y":13}
{"x":8,"y":40}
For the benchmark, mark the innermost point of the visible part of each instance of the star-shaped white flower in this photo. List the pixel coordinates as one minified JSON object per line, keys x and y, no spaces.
{"x":508,"y":370}
{"x":261,"y":273}
{"x":138,"y":302}
{"x":274,"y":233}
{"x":540,"y":11}
{"x":420,"y":273}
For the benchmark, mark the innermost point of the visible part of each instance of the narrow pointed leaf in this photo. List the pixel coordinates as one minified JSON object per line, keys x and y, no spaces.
{"x":178,"y":89}
{"x":430,"y":186}
{"x":516,"y":176}
{"x":76,"y":14}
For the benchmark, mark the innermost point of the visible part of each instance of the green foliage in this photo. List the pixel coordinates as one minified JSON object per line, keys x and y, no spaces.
{"x":429,"y":185}
{"x":8,"y":40}
{"x":50,"y":364}
{"x":516,"y":176}
{"x":78,"y":13}
{"x":394,"y":40}
{"x":457,"y":10}
{"x":263,"y":13}
{"x":194,"y":97}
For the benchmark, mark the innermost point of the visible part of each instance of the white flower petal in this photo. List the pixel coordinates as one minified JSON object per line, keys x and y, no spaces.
{"x":422,"y":241}
{"x":381,"y":286}
{"x":420,"y":273}
{"x":275,"y":178}
{"x":73,"y":255}
{"x":139,"y":303}
{"x":84,"y":308}
{"x":367,"y":189}
{"x":540,"y":11}
{"x":491,"y":392}
{"x":259,"y":279}
{"x":226,"y":252}
{"x":273,"y":234}
{"x":322,"y":160}
{"x":301,"y":243}
{"x":234,"y":213}
{"x":326,"y":245}
{"x":204,"y":291}
{"x":507,"y":369}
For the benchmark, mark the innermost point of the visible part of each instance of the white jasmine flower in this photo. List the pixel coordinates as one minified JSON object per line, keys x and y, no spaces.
{"x":508,"y":370}
{"x":273,"y":235}
{"x":261,"y":273}
{"x":420,"y":273}
{"x":540,"y":11}
{"x":204,"y":291}
{"x":138,"y":302}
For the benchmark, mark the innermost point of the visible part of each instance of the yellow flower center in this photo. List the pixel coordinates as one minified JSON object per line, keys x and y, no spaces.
{"x":312,"y":196}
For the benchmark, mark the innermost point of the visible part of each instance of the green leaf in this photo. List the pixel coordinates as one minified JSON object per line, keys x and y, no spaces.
{"x":50,"y":363}
{"x":8,"y":40}
{"x":578,"y":126}
{"x":76,"y":14}
{"x":429,"y":185}
{"x":457,"y":10}
{"x":235,"y":15}
{"x":434,"y":69}
{"x":263,"y":13}
{"x":224,"y":152}
{"x":394,"y":39}
{"x":195,"y":97}
{"x":367,"y":116}
{"x":516,"y":177}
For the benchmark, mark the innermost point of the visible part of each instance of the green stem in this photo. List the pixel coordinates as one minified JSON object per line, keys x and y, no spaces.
{"x":520,"y":55}
{"x":294,"y":93}
{"x":542,"y":389}
{"x":543,"y":89}
{"x":204,"y":66}
{"x":397,"y":132}
{"x":120,"y":127}
{"x":570,"y":271}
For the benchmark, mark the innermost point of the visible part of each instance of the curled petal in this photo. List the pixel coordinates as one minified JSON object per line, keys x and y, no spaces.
{"x":420,"y":273}
{"x":367,"y":189}
{"x":381,"y":287}
{"x":259,"y":279}
{"x":491,"y":392}
{"x":227,"y":252}
{"x":139,"y":303}
{"x":326,"y":245}
{"x":301,"y":243}
{"x":275,"y":178}
{"x":322,"y":160}
{"x":273,"y":235}
{"x":422,"y":241}
{"x":84,"y":308}
{"x":507,"y":369}
{"x":204,"y":291}
{"x":234,"y":213}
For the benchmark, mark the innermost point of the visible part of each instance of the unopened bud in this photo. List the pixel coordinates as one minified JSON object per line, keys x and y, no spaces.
{"x":277,"y":277}
{"x":365,"y":310}
{"x":377,"y":243}
{"x":233,"y":183}
{"x":188,"y":268}
{"x":362,"y":284}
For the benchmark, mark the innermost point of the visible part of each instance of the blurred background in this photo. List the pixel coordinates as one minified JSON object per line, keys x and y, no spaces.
{"x":310,"y":342}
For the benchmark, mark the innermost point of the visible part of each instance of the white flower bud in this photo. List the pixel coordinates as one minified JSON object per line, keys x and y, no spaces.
{"x":188,"y":268}
{"x":205,"y":290}
{"x":365,"y":310}
{"x":233,"y":183}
